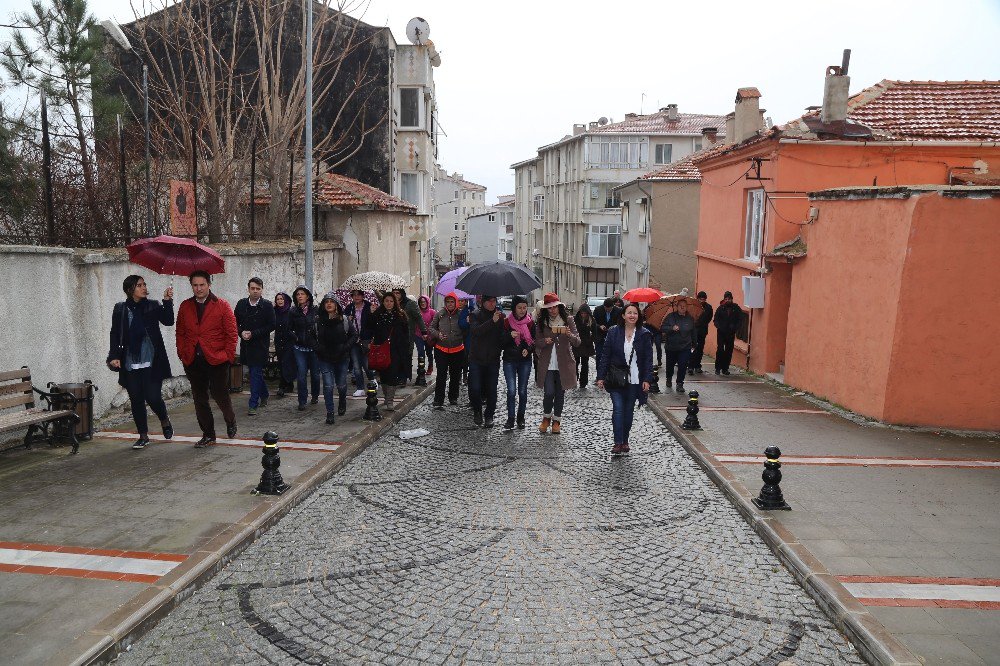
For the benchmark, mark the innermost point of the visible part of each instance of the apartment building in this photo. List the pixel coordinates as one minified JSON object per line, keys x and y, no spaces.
{"x":455,"y":200}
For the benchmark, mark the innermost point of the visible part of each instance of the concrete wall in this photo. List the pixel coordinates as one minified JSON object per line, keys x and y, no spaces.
{"x":55,"y":307}
{"x":673,"y":235}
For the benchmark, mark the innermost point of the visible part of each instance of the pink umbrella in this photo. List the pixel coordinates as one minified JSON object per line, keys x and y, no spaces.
{"x":447,"y":284}
{"x":171,"y":255}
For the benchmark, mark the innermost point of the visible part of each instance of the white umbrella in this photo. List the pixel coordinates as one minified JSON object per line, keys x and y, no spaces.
{"x":374,"y":281}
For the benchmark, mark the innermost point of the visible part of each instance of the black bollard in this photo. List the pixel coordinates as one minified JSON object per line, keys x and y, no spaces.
{"x":421,"y":379}
{"x":691,"y":422}
{"x":271,"y":482}
{"x":654,"y":386}
{"x":372,"y":413}
{"x":770,"y":498}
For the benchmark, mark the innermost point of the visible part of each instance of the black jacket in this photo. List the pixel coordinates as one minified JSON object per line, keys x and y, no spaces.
{"x":728,"y":317}
{"x":396,"y":329}
{"x":685,"y":338}
{"x":365,"y":332}
{"x":154,"y":313}
{"x":260,"y":322}
{"x":334,"y":338}
{"x":512,"y":350}
{"x":486,"y":337}
{"x":303,"y":326}
{"x":704,"y":319}
{"x":588,"y":336}
{"x":601,"y":318}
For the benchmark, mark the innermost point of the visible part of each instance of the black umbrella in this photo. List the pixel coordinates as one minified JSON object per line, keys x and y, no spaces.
{"x":498,"y":278}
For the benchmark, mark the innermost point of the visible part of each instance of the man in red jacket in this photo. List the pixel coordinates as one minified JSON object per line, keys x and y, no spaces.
{"x":206,"y":345}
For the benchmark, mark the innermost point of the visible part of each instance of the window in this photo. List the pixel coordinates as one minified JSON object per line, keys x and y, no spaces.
{"x":662,"y":153}
{"x":410,"y":188}
{"x":618,"y":152}
{"x":538,"y":207}
{"x":600,"y":282}
{"x":456,"y":210}
{"x":743,"y":332}
{"x":464,"y":194}
{"x":697,"y":146}
{"x":463,"y":210}
{"x":644,"y":209}
{"x":603,"y":240}
{"x":754,"y":226}
{"x":456,"y":226}
{"x":409,"y":107}
{"x":612,"y":199}
{"x":456,"y":194}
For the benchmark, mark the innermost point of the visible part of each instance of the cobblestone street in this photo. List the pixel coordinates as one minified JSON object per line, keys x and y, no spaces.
{"x":488,"y":546}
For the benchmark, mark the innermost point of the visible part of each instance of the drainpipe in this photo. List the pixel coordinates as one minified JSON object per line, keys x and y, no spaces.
{"x":649,"y":231}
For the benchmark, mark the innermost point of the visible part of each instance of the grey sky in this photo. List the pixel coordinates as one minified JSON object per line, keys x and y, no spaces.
{"x":516,"y":75}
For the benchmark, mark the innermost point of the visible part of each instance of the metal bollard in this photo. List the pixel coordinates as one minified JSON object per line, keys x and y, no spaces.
{"x":654,"y":387}
{"x":691,"y":422}
{"x":271,"y":482}
{"x":770,"y":498}
{"x":372,"y":413}
{"x":421,"y":379}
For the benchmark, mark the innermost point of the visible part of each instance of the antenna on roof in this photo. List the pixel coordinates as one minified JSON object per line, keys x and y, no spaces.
{"x":418,"y":30}
{"x":603,"y":120}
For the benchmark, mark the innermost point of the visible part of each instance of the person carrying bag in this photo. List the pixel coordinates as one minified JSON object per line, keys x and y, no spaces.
{"x":625,"y":372}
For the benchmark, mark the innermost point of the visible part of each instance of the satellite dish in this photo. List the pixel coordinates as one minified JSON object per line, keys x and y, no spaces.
{"x":418,"y":30}
{"x":603,"y":120}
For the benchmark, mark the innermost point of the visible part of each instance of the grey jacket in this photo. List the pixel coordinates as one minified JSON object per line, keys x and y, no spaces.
{"x":686,"y":337}
{"x":445,"y":331}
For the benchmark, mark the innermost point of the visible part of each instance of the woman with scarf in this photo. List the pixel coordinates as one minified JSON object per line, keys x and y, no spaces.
{"x":586,"y":325}
{"x":390,"y":324}
{"x":556,"y":374}
{"x":423,"y":340}
{"x":138,"y":354}
{"x":302,"y":322}
{"x":518,"y":353}
{"x":283,"y":344}
{"x":335,"y":335}
{"x":630,"y":346}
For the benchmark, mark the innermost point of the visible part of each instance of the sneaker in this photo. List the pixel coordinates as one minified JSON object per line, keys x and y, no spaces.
{"x":252,"y":411}
{"x":263,"y":402}
{"x":204,"y":441}
{"x":231,"y":430}
{"x":509,"y":425}
{"x":360,"y":393}
{"x":438,"y":406}
{"x":329,"y":419}
{"x":141,"y":443}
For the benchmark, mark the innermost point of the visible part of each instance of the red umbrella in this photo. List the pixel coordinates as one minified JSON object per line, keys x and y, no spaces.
{"x":170,"y":255}
{"x":642,"y":295}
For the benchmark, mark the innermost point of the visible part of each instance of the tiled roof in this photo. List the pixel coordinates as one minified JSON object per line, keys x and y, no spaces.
{"x":745,"y":93}
{"x":337,"y":191}
{"x":682,"y":169}
{"x":468,"y":185}
{"x":659,"y":123}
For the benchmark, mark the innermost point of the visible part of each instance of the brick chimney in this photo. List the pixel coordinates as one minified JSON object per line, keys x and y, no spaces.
{"x":671,"y":110}
{"x":747,"y":120}
{"x":580,"y":128}
{"x":836,"y":89}
{"x":711,"y":135}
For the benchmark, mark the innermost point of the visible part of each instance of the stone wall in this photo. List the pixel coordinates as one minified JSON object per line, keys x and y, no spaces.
{"x":56,"y":303}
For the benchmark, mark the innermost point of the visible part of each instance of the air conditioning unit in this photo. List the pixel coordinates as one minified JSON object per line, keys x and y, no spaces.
{"x":753,"y":291}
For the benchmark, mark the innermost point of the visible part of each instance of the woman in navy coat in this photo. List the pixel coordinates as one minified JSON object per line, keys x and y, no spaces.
{"x":627,"y":344}
{"x":138,"y":354}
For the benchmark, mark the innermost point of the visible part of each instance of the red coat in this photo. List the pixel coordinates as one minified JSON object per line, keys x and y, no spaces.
{"x":216,"y":333}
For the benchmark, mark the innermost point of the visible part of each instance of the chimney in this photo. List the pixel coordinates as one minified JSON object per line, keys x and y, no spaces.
{"x":631,"y":115}
{"x":580,"y":128}
{"x":671,"y":111}
{"x":592,"y":125}
{"x":747,"y":120}
{"x":730,"y":127}
{"x":711,"y":135}
{"x":835,"y":91}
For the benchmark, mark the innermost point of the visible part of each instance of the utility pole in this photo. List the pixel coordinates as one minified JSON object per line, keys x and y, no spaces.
{"x":122,"y":183}
{"x":50,"y":224}
{"x":307,"y":171}
{"x":253,"y":186}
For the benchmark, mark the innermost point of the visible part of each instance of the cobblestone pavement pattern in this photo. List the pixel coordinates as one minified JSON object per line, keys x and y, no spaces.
{"x":475,"y":546}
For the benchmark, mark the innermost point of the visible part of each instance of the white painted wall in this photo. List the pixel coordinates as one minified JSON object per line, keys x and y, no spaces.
{"x":56,"y":303}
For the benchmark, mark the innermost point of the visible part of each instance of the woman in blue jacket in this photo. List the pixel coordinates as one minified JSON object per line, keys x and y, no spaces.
{"x":627,"y":345}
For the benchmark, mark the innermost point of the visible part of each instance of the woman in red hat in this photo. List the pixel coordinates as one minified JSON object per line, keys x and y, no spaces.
{"x":557,"y":335}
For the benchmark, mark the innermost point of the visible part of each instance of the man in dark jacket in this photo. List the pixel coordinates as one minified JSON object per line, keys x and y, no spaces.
{"x":486,"y":332}
{"x":255,"y":321}
{"x":361,"y":311}
{"x":727,"y":320}
{"x":678,"y":339}
{"x":605,"y":316}
{"x":701,"y":327}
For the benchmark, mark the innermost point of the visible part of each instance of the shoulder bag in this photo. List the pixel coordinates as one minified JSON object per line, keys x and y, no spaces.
{"x":379,"y":356}
{"x":617,"y":375}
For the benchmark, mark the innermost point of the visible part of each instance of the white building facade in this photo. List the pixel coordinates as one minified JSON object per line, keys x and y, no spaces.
{"x":455,"y":200}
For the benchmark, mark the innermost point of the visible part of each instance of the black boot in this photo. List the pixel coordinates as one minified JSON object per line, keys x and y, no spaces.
{"x":342,"y":403}
{"x":477,"y":416}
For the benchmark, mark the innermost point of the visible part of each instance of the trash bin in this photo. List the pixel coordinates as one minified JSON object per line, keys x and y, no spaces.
{"x":84,"y":405}
{"x":236,"y":376}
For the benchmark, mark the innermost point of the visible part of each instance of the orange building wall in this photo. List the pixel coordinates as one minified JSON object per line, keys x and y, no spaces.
{"x":795,"y":169}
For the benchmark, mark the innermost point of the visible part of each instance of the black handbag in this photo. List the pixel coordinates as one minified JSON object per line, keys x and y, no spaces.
{"x":617,"y":375}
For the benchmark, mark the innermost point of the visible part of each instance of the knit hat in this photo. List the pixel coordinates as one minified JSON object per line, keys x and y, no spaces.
{"x":726,"y":295}
{"x":551,"y":299}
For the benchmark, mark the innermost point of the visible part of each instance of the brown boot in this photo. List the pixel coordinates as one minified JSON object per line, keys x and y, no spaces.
{"x":545,"y":425}
{"x":390,"y":395}
{"x":555,"y":427}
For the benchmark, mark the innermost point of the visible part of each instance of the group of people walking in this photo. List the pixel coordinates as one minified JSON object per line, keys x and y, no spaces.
{"x":320,"y":347}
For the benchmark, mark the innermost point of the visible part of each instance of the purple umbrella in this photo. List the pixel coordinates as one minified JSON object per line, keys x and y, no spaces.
{"x":447,"y":284}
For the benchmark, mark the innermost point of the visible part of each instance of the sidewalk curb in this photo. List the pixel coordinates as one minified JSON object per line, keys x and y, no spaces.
{"x":872,"y":640}
{"x":118,"y":631}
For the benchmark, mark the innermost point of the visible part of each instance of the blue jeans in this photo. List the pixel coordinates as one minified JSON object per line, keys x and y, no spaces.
{"x":623,"y":402}
{"x":307,"y":362}
{"x":421,"y":346}
{"x":258,"y":387}
{"x":483,"y":378}
{"x":517,"y":375}
{"x":359,"y":363}
{"x":334,"y":372}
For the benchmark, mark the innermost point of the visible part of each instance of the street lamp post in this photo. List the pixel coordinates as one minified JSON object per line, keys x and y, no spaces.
{"x":116,"y":34}
{"x":307,"y":221}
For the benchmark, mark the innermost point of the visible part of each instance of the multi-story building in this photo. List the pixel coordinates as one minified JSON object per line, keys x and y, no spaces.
{"x":575,"y":212}
{"x":455,"y":199}
{"x":490,"y":235}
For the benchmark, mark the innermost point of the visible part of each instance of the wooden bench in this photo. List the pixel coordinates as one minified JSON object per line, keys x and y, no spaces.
{"x":16,"y":391}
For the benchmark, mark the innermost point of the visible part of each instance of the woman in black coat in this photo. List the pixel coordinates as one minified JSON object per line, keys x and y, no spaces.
{"x":302,"y":322}
{"x":283,"y":341}
{"x":389,"y":322}
{"x":138,"y":354}
{"x":586,"y":326}
{"x":335,"y":336}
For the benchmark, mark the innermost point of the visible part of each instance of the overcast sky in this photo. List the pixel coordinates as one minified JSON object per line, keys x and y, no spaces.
{"x":516,"y":74}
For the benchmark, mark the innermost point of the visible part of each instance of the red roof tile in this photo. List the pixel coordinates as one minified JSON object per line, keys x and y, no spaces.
{"x":745,"y":93}
{"x":682,"y":169}
{"x":659,"y":123}
{"x":337,"y":191}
